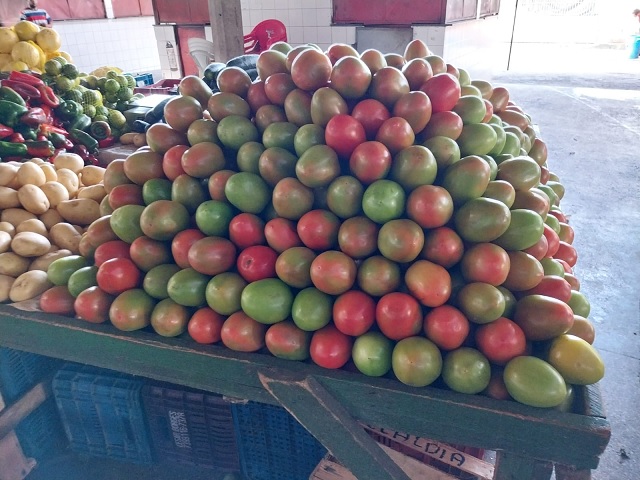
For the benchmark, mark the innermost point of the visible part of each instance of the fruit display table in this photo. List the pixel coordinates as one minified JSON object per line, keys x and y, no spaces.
{"x":333,"y":404}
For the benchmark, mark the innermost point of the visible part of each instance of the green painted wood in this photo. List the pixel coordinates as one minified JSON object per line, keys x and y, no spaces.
{"x":570,"y":439}
{"x":332,"y":425}
{"x":564,"y":472}
{"x":510,"y":466}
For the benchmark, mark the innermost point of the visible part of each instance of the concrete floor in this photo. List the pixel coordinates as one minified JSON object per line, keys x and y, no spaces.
{"x":588,"y":112}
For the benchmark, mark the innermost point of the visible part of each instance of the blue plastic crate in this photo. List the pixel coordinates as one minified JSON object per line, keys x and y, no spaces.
{"x":190,"y":427}
{"x":41,"y":433}
{"x":272,"y":444}
{"x":102,"y":413}
{"x":143,"y":79}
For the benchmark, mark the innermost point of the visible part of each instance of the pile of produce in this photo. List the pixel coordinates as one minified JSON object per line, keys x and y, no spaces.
{"x":26,"y":46}
{"x":384,"y":213}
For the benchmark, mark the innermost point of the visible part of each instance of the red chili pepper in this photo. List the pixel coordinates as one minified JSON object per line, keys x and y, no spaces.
{"x":5,"y":131}
{"x":26,"y":78}
{"x":15,"y":138}
{"x":23,"y":89}
{"x":56,"y":152}
{"x":49,"y":128}
{"x":34,"y":117}
{"x":107,"y":142}
{"x":40,"y":149}
{"x":48,"y":97}
{"x":92,"y":160}
{"x":82,"y":151}
{"x":48,"y":112}
{"x":41,"y":138}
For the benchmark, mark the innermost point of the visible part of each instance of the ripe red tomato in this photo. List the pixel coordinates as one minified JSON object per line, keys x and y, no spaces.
{"x":553,"y":241}
{"x":370,"y":161}
{"x":446,"y":326}
{"x":216,"y":184}
{"x":318,"y":229}
{"x":212,"y":255}
{"x":205,"y":325}
{"x":430,"y":206}
{"x":109,"y":250}
{"x":257,"y":262}
{"x":125,"y":194}
{"x":485,"y":262}
{"x":330,"y":348}
{"x":242,"y":333}
{"x":566,"y":252}
{"x":371,"y":113}
{"x":501,"y":340}
{"x":147,"y":253}
{"x":398,"y":315}
{"x":354,"y":312}
{"x":281,"y":234}
{"x":246,"y":229}
{"x":172,"y":161}
{"x":311,"y":69}
{"x":443,"y":246}
{"x":429,"y":282}
{"x":443,"y":90}
{"x":396,"y":134}
{"x":92,"y":305}
{"x":357,"y":237}
{"x":344,"y":133}
{"x":539,"y":249}
{"x":57,"y":300}
{"x":181,"y":244}
{"x":286,"y":340}
{"x":117,"y":275}
{"x":552,"y":286}
{"x":333,"y":272}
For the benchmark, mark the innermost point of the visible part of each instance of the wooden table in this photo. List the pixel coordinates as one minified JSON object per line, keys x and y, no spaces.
{"x":332,"y":404}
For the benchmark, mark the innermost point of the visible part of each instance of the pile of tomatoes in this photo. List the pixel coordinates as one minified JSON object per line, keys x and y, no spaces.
{"x":382,"y":213}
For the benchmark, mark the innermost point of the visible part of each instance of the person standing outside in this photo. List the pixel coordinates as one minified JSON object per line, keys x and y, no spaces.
{"x":39,"y":16}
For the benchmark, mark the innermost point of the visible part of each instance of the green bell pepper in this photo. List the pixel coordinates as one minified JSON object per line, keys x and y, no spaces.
{"x":83,"y":138}
{"x":10,"y":113}
{"x":10,"y":95}
{"x":69,"y":110}
{"x":29,"y":133}
{"x":9,"y":149}
{"x":81,"y":122}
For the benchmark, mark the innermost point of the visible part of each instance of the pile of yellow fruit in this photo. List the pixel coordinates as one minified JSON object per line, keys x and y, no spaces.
{"x":26,"y":46}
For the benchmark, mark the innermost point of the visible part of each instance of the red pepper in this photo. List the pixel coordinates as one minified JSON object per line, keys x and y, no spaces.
{"x":92,"y":160}
{"x":107,"y":142}
{"x":48,"y":112}
{"x":15,"y":138}
{"x":41,"y":138}
{"x":56,"y":152}
{"x":48,"y":97}
{"x":35,"y":116}
{"x":23,"y":89}
{"x":5,"y":131}
{"x":82,"y":151}
{"x":26,"y":78}
{"x":40,"y":149}
{"x":46,"y":128}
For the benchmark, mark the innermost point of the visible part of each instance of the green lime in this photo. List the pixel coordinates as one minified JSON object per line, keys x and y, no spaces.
{"x":52,"y":67}
{"x":111,"y":86}
{"x":70,"y":71}
{"x":64,"y":84}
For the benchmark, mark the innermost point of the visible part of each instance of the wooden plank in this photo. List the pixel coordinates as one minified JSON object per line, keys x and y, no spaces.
{"x":563,"y":472}
{"x":11,"y":416}
{"x":438,"y":451}
{"x":15,"y":466}
{"x":446,"y":416}
{"x":226,"y":29}
{"x":510,"y":466}
{"x":331,"y":424}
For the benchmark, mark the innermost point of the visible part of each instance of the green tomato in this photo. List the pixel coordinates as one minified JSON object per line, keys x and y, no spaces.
{"x":371,"y":354}
{"x":267,"y":301}
{"x":534,"y":382}
{"x":311,"y":309}
{"x":466,"y":370}
{"x":416,"y":361}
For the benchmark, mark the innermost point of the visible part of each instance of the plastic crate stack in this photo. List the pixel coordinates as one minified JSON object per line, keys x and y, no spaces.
{"x":273,"y":444}
{"x":40,"y":434}
{"x":191,"y":427}
{"x":102,"y":413}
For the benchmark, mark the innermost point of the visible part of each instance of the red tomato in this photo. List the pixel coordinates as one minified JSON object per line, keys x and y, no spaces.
{"x":566,"y":252}
{"x":501,"y":340}
{"x":333,"y":272}
{"x":212,"y":255}
{"x":205,"y":325}
{"x":286,"y":340}
{"x":430,"y":206}
{"x":565,"y":266}
{"x":357,"y":237}
{"x":370,"y":161}
{"x":446,"y":326}
{"x":125,"y":194}
{"x":92,"y":305}
{"x":109,"y":250}
{"x":216,"y":184}
{"x":147,"y":253}
{"x":242,"y":333}
{"x":566,"y":232}
{"x":117,"y":275}
{"x":398,"y":316}
{"x":246,"y":229}
{"x":281,"y":234}
{"x":553,"y":241}
{"x":573,"y":281}
{"x":429,"y":282}
{"x":257,"y":262}
{"x":57,"y":300}
{"x":396,"y":134}
{"x":330,"y":348}
{"x":552,"y":286}
{"x":344,"y":133}
{"x":539,"y":249}
{"x":181,"y":244}
{"x":371,"y":113}
{"x":443,"y":246}
{"x":485,"y":262}
{"x":443,"y":90}
{"x":318,"y":229}
{"x":172,"y":161}
{"x":354,"y":313}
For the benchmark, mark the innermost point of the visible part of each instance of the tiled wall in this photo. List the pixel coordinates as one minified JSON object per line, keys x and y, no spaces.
{"x":127,"y":43}
{"x":165,"y":35}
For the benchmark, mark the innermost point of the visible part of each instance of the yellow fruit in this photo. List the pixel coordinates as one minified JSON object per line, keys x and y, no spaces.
{"x":66,"y":56}
{"x":48,"y":39}
{"x":43,"y":56}
{"x":26,"y":30}
{"x":14,"y":65}
{"x":27,"y":53}
{"x":5,"y":58}
{"x":8,"y":39}
{"x":51,"y":55}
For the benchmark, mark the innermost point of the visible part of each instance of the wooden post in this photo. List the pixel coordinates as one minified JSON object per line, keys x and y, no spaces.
{"x":15,"y":413}
{"x":226,"y":29}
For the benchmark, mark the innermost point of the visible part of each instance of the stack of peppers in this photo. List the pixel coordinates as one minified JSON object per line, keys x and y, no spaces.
{"x":30,"y":125}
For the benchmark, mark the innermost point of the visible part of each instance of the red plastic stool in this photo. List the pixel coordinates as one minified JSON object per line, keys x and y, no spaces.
{"x":263,"y":35}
